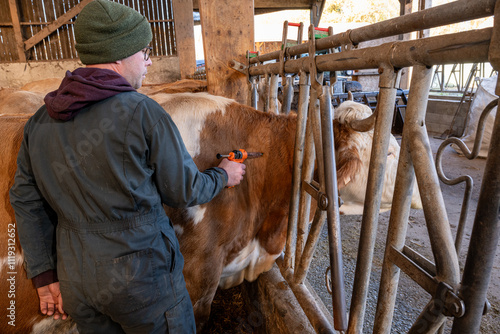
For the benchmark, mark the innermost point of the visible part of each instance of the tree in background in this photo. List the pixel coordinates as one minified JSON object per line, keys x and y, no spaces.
{"x":368,"y":11}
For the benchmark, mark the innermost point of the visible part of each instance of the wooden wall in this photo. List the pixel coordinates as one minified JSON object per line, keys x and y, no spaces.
{"x":41,"y":30}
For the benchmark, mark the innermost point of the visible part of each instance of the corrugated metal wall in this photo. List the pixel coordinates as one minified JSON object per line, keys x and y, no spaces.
{"x":34,"y":15}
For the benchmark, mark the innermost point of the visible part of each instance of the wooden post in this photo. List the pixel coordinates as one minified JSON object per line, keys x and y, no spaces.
{"x":14,"y":14}
{"x":184,"y":36}
{"x":228,"y":32}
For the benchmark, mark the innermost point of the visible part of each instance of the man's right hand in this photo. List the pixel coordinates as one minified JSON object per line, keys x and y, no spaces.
{"x":234,"y":170}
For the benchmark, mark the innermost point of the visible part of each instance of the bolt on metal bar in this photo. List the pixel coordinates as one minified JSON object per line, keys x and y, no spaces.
{"x":388,"y":82}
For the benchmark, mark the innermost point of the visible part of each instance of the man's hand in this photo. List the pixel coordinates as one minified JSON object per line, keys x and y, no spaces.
{"x":51,"y":301}
{"x":234,"y":170}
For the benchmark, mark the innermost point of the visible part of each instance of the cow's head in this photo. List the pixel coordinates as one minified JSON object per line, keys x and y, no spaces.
{"x":352,"y":150}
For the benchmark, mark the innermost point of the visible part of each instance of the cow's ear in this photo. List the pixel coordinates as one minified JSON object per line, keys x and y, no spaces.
{"x":346,"y":154}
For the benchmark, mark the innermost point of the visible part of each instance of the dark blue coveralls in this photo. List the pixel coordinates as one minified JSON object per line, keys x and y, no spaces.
{"x":94,"y":186}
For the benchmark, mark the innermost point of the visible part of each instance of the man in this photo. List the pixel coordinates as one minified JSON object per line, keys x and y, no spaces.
{"x":96,"y":163}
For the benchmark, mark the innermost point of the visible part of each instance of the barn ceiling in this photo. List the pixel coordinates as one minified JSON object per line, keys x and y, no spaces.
{"x":268,"y":6}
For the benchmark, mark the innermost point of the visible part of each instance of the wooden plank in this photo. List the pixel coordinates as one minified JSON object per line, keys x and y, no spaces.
{"x":55,"y":24}
{"x":274,"y":4}
{"x":184,"y":35}
{"x":14,"y":13}
{"x":228,"y":32}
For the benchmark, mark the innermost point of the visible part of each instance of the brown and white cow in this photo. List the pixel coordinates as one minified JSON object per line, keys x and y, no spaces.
{"x":240,"y":233}
{"x":15,"y":101}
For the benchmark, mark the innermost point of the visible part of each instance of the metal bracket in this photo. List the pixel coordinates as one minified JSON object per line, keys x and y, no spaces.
{"x":454,"y":306}
{"x":236,"y":65}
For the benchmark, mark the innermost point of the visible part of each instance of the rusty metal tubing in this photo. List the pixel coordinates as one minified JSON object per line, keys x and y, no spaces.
{"x":313,"y":312}
{"x":396,"y":231}
{"x":254,"y":95}
{"x":298,"y":159}
{"x":273,"y":95}
{"x":265,"y":92}
{"x":313,"y":130}
{"x":287,"y":95}
{"x":484,"y":240}
{"x":332,"y":212}
{"x":455,"y":12}
{"x":388,"y":81}
{"x":312,"y":239}
{"x":465,"y":178}
{"x":464,"y":47}
{"x":447,"y":268}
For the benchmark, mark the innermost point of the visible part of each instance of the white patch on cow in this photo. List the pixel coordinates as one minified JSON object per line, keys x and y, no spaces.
{"x":49,"y":325}
{"x":251,"y":261}
{"x":189,"y":111}
{"x":196,"y":213}
{"x":178,"y":230}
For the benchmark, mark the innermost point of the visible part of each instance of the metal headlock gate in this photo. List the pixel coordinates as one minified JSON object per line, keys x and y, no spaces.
{"x":462,"y":298}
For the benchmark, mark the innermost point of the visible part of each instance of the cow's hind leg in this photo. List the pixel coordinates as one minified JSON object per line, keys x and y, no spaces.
{"x":202,"y":283}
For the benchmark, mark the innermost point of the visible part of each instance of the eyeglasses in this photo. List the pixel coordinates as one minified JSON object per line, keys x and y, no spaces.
{"x":147,"y":52}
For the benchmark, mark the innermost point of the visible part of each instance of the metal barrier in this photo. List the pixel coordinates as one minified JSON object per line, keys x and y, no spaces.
{"x":314,"y":142}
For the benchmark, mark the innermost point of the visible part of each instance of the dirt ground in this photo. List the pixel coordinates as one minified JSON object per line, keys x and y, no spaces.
{"x":229,"y":314}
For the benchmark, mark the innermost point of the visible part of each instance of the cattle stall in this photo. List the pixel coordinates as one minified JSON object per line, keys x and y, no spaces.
{"x":456,"y":295}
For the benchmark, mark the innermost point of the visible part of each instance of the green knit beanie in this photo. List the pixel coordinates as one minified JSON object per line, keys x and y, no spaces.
{"x":107,"y":31}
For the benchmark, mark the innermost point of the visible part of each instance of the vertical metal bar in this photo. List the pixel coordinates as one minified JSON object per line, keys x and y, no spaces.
{"x":332,"y":212}
{"x":304,"y":209}
{"x":484,"y":240}
{"x":312,"y":240}
{"x":442,"y":244}
{"x":421,"y":80}
{"x":254,"y":96}
{"x":287,"y":95}
{"x":273,"y":94}
{"x":300,"y":139}
{"x":388,"y":81}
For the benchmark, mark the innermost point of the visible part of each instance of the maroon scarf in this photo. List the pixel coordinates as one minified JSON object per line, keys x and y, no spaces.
{"x":81,"y":88}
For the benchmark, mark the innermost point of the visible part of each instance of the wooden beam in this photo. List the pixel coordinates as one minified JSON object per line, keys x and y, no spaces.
{"x":184,"y":36}
{"x":316,"y":11}
{"x":228,"y":32}
{"x":274,"y":4}
{"x":53,"y":26}
{"x":14,"y":14}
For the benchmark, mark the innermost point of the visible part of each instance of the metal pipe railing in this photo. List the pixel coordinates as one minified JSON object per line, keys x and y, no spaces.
{"x":457,"y":11}
{"x":396,"y":231}
{"x":389,"y":80}
{"x":484,"y":240}
{"x":441,"y":279}
{"x":470,"y":46}
{"x":300,"y":144}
